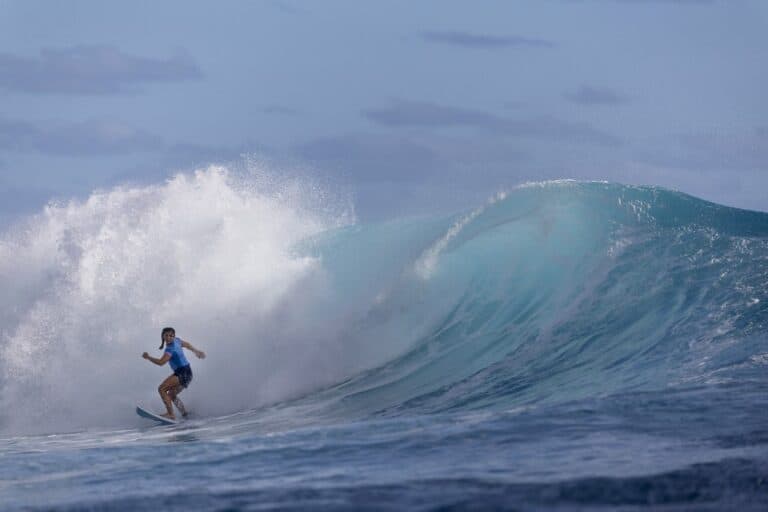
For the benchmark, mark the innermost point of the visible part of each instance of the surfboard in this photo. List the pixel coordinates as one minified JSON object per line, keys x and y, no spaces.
{"x":152,"y":416}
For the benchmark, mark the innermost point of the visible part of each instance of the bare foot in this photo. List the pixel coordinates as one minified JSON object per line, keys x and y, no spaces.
{"x":169,"y":416}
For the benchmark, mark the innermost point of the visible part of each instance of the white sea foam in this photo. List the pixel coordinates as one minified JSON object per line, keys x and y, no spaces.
{"x":87,"y":286}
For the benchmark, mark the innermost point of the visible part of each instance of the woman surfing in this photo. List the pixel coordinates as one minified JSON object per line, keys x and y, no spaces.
{"x":170,"y":388}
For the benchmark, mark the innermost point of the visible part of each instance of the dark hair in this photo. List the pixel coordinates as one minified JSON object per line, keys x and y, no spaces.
{"x":165,"y":330}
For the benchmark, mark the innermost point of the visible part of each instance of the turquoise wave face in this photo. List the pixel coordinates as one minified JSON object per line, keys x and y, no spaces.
{"x":550,"y":293}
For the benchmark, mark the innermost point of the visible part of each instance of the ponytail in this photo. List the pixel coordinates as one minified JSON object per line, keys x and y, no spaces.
{"x":162,"y":334}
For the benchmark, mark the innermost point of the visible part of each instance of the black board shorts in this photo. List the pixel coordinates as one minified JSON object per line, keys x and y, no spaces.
{"x":184,"y":374}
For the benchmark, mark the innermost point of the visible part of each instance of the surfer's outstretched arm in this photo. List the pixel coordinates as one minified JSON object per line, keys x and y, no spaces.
{"x":159,"y":361}
{"x":199,"y":353}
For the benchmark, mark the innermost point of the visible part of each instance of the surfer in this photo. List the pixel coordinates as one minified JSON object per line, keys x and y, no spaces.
{"x":170,"y":388}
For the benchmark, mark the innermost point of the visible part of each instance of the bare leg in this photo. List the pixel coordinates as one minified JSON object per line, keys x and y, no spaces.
{"x":164,"y":389}
{"x":177,"y":401}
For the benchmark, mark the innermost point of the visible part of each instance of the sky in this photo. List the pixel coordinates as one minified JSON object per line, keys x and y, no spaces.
{"x":409,"y":105}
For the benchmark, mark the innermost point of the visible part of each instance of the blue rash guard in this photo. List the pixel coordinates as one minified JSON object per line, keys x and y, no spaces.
{"x":178,"y":359}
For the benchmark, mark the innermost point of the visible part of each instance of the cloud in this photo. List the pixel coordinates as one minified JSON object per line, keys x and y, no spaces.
{"x":468,"y":40}
{"x":425,"y":114}
{"x":588,"y":95}
{"x":75,"y":139}
{"x":90,"y":69}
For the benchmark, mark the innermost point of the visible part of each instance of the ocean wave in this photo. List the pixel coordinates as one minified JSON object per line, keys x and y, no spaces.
{"x":546,"y":293}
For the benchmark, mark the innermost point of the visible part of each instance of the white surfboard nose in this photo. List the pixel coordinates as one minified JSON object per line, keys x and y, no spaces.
{"x":152,"y":416}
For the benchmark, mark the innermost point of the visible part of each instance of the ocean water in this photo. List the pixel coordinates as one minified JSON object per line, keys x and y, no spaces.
{"x":565,"y":345}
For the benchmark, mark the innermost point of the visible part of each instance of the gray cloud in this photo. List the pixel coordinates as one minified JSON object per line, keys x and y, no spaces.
{"x":468,"y":40}
{"x":90,"y":69}
{"x":588,"y":95}
{"x":424,"y":114}
{"x":75,"y":139}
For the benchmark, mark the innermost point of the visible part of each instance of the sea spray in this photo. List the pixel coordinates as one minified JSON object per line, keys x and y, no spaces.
{"x":87,"y":285}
